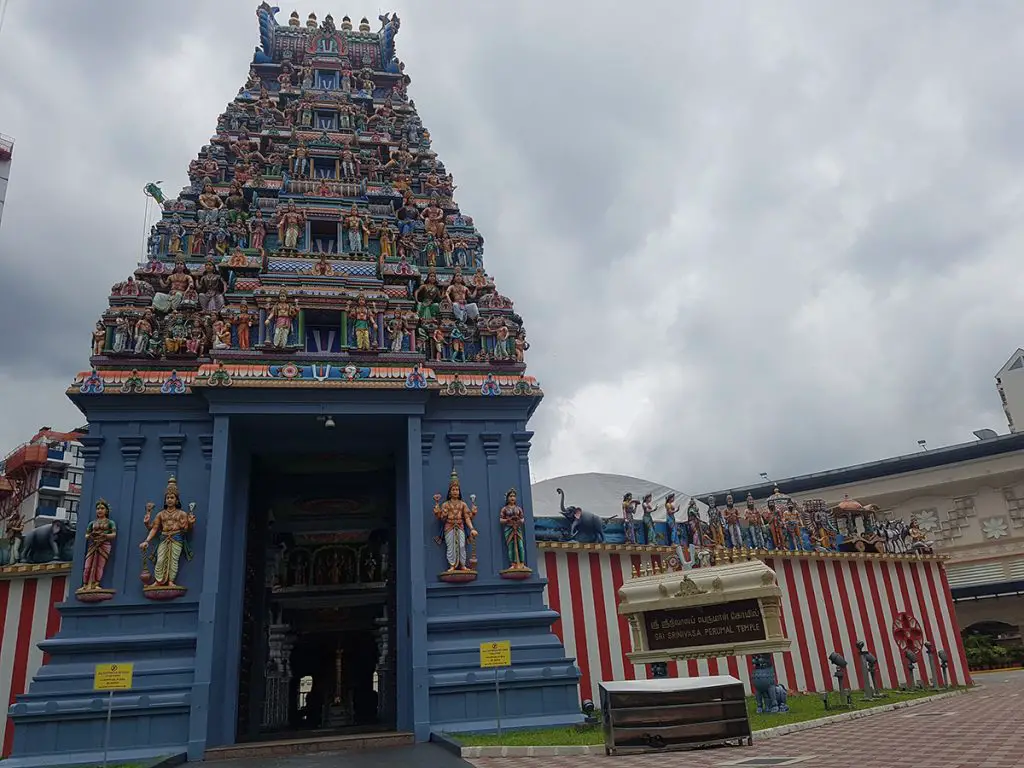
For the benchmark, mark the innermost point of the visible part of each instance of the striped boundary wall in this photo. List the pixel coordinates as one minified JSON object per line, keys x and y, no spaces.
{"x":29,"y":596}
{"x":829,"y":603}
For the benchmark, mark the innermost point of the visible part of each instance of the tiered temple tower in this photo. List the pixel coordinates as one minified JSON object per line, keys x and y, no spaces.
{"x":316,"y":271}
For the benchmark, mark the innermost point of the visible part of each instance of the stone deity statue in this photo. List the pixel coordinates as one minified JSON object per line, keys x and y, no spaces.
{"x":649,"y":507}
{"x":458,"y":295}
{"x":755,"y":525}
{"x":513,"y":525}
{"x":99,"y":538}
{"x":15,"y":530}
{"x":732,"y":522}
{"x":173,"y":524}
{"x":243,"y":322}
{"x":457,"y":528}
{"x":671,"y":525}
{"x":427,"y":297}
{"x":209,"y":205}
{"x":356,"y":229}
{"x":629,"y":505}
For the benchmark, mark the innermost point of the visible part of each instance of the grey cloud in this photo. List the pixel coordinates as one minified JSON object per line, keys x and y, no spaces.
{"x":822,"y":201}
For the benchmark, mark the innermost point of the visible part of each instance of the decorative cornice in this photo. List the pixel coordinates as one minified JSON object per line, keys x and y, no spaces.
{"x":426,"y":445}
{"x":456,"y":446}
{"x":90,"y":450}
{"x":28,"y":570}
{"x":521,"y":440}
{"x":206,"y":446}
{"x":131,"y":449}
{"x":492,"y":444}
{"x":753,"y":554}
{"x":171,"y":447}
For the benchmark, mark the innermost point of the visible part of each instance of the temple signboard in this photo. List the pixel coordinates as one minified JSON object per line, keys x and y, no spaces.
{"x":740,"y":621}
{"x":725,"y":610}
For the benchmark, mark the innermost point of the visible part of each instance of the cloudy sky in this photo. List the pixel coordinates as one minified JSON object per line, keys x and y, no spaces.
{"x":746,"y":237}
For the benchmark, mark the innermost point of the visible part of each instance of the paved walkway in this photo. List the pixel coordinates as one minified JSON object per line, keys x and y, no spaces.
{"x":419,"y":756}
{"x":982,"y":729}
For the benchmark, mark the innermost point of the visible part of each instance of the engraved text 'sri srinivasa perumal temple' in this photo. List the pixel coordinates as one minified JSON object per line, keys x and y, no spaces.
{"x":308,"y":413}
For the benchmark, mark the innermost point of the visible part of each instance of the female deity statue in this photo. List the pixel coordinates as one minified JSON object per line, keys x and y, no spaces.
{"x":364,"y":320}
{"x":427,"y":297}
{"x":775,"y":527}
{"x":629,"y":505}
{"x":290,"y":220}
{"x":211,"y":289}
{"x":457,"y":518}
{"x":243,"y":322}
{"x":257,"y":231}
{"x":513,"y":523}
{"x":408,"y":215}
{"x":235,"y":203}
{"x":671,"y":525}
{"x":755,"y":524}
{"x":732,"y":523}
{"x":716,"y":523}
{"x":695,"y":525}
{"x":650,"y":532}
{"x":173,"y":524}
{"x":281,"y":314}
{"x":99,"y":538}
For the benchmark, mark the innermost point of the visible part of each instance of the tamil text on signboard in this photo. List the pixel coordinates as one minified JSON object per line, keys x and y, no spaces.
{"x":496,"y":654}
{"x":724,"y":623}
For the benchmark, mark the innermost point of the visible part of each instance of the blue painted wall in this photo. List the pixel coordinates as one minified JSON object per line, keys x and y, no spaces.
{"x":186,"y":651}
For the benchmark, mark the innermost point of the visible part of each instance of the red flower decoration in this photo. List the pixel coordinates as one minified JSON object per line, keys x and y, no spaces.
{"x":907,"y":632}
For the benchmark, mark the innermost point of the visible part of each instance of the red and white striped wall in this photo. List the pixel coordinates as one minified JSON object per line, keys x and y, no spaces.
{"x":829,"y":603}
{"x":29,"y":595}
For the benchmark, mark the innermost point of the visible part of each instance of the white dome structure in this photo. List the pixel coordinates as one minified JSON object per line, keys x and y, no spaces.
{"x":601,"y":494}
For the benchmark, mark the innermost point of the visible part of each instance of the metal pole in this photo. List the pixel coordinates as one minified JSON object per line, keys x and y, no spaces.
{"x":498,"y":701}
{"x":106,"y":735}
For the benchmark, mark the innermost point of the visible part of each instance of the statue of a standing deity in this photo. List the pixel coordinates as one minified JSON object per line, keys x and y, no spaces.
{"x":513,"y":528}
{"x":211,"y":288}
{"x":755,"y":525}
{"x":364,"y":320}
{"x":629,"y":505}
{"x":650,"y":529}
{"x":732,"y":523}
{"x":290,"y":220}
{"x":14,"y":530}
{"x":99,"y":542}
{"x":281,"y":314}
{"x":457,"y":529}
{"x":173,"y":524}
{"x":243,"y":322}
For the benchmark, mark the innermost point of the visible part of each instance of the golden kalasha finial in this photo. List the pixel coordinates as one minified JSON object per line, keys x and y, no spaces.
{"x":634,"y":572}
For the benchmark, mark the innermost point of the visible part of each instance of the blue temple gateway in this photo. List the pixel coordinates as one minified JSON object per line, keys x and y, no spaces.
{"x":307,"y":466}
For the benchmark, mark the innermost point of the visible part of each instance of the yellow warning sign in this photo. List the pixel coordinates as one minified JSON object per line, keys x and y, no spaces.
{"x":496,"y":654}
{"x":113,"y":677}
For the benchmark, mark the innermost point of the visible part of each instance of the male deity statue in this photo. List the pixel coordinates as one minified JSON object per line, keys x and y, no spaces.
{"x":457,"y":518}
{"x":356,"y":228}
{"x":732,"y":522}
{"x":458,"y":295}
{"x":281,"y":314}
{"x":755,"y":524}
{"x":172,"y":524}
{"x":363,"y":317}
{"x":513,"y":524}
{"x":99,"y":537}
{"x":290,"y":221}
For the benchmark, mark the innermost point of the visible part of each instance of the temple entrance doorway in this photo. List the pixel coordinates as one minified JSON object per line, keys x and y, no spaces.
{"x":317,"y":651}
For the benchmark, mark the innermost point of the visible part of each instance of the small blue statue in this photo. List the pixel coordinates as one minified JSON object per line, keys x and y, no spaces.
{"x":770,"y":695}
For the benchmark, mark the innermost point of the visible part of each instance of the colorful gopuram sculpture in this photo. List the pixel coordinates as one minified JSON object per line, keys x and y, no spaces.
{"x":99,"y":544}
{"x":318,"y":224}
{"x":781,"y":524}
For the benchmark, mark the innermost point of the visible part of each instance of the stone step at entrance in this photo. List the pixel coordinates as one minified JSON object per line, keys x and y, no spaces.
{"x":290,"y":747}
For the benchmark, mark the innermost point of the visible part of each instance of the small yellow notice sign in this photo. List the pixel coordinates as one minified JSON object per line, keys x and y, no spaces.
{"x":496,"y":654}
{"x":113,"y":677}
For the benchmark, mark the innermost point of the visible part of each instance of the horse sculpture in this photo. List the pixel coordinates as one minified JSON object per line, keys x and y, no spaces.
{"x":585,"y":524}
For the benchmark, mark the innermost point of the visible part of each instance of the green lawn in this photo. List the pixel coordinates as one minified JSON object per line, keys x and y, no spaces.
{"x":801,"y":708}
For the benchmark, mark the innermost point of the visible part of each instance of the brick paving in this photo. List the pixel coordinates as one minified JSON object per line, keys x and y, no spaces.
{"x":982,"y":729}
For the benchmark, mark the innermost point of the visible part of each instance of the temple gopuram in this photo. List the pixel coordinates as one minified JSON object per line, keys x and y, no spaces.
{"x":306,"y":501}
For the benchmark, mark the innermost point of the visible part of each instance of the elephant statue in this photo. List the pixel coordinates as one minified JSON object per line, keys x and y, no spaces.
{"x":770,"y":694}
{"x":47,"y":543}
{"x":587,"y":524}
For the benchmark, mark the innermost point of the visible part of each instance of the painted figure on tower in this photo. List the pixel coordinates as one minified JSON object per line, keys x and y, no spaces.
{"x":457,"y":532}
{"x":513,"y":527}
{"x":173,"y":525}
{"x":99,"y":543}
